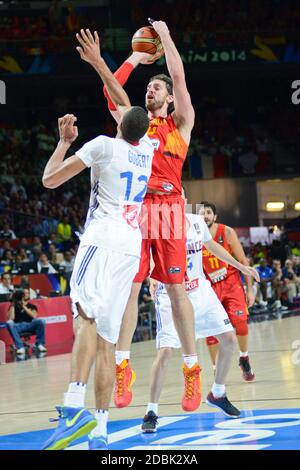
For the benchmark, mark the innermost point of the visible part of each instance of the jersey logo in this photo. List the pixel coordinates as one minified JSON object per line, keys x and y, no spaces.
{"x":130,"y":215}
{"x":238,"y":313}
{"x":174,"y":270}
{"x":227,"y":321}
{"x":167,"y":186}
{"x":197,"y":228}
{"x":220,"y":239}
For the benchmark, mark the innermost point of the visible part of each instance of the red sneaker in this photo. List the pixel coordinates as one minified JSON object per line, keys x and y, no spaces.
{"x":125,"y":378}
{"x":192,"y":398}
{"x":248,"y":373}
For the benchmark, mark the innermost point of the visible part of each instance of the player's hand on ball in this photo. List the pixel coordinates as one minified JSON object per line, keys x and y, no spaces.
{"x":147,"y":59}
{"x":90,"y":50}
{"x":67,"y":131}
{"x":160,"y":27}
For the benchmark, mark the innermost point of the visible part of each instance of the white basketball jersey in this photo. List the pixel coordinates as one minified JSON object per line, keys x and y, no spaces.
{"x":197,"y":235}
{"x":119,"y":175}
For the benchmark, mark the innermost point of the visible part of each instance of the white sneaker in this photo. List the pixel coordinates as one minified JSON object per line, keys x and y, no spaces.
{"x":41,"y":348}
{"x":20,"y":351}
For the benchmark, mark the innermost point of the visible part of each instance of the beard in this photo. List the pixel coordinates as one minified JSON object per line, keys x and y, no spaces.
{"x":153,"y":105}
{"x":209,"y":224}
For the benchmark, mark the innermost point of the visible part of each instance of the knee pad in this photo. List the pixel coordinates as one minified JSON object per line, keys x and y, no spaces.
{"x":241,"y":328}
{"x":211,"y":341}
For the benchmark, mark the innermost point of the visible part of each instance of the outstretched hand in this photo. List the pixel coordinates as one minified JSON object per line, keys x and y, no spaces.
{"x":90,"y":50}
{"x":67,"y":131}
{"x":249,"y":271}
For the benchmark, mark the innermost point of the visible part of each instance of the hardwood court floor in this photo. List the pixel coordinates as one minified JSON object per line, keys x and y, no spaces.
{"x":29,"y":390}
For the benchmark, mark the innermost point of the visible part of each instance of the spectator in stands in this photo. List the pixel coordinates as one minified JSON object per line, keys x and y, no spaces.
{"x":53,"y":258}
{"x":17,"y":266}
{"x":6,"y":287}
{"x":68,"y":262}
{"x":44,"y":266}
{"x":22,"y":318}
{"x":18,"y":188}
{"x":295,"y":250}
{"x":296,"y":264}
{"x":53,"y":239}
{"x":290,"y":280}
{"x":64,"y":232}
{"x":145,"y":300}
{"x":277,"y":284}
{"x":7,"y":233}
{"x":24,"y":256}
{"x":258,"y":253}
{"x":33,"y":294}
{"x":36,"y":247}
{"x":278,"y":251}
{"x":7,"y":260}
{"x":6,"y":246}
{"x":266,"y":276}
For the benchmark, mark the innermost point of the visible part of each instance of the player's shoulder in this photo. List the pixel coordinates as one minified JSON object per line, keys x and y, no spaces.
{"x":196,"y":219}
{"x":229,"y":231}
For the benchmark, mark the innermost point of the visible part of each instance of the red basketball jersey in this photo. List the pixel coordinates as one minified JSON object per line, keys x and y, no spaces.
{"x":169,"y":155}
{"x":215,"y":269}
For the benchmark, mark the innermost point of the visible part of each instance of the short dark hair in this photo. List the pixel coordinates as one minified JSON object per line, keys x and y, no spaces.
{"x":210,"y":205}
{"x":135,"y":124}
{"x":169,"y":84}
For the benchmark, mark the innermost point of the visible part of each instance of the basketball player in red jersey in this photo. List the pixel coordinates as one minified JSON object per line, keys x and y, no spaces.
{"x":227,"y":284}
{"x":172,"y":118}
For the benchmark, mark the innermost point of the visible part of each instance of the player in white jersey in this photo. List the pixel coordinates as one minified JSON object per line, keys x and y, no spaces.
{"x":107,"y":258}
{"x":209,"y":316}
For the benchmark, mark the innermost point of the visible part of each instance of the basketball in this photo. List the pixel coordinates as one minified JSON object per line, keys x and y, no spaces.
{"x":147,"y":40}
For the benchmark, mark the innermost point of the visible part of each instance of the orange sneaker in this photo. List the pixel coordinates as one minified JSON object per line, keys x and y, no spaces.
{"x":125,"y":378}
{"x":192,"y":398}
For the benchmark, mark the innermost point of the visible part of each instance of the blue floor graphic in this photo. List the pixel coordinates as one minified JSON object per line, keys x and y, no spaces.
{"x":255,"y":430}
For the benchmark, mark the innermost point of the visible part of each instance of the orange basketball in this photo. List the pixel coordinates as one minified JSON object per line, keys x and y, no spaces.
{"x":147,"y":40}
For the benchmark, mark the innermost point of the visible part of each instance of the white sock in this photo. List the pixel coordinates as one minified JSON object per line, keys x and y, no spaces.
{"x":121,"y":355}
{"x":152,"y":407}
{"x":218,"y":390}
{"x":75,"y":396}
{"x":243,"y":354}
{"x":190,"y":360}
{"x":101,"y":428}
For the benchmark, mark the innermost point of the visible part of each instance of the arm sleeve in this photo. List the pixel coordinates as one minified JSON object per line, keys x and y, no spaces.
{"x":95,"y":152}
{"x":122,"y":75}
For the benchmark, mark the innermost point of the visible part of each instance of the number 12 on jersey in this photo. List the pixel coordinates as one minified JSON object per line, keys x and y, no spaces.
{"x":129,"y":177}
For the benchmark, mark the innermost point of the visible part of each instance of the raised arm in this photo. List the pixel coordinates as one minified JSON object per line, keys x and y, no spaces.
{"x":184,"y":114}
{"x":58,"y":170}
{"x":90,"y":52}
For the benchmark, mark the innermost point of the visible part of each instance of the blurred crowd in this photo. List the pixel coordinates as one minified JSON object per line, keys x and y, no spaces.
{"x":279,"y":269}
{"x":193,"y":22}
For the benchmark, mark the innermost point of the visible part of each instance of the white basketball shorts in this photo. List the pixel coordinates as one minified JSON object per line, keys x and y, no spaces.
{"x":101,"y":282}
{"x":210,"y":316}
